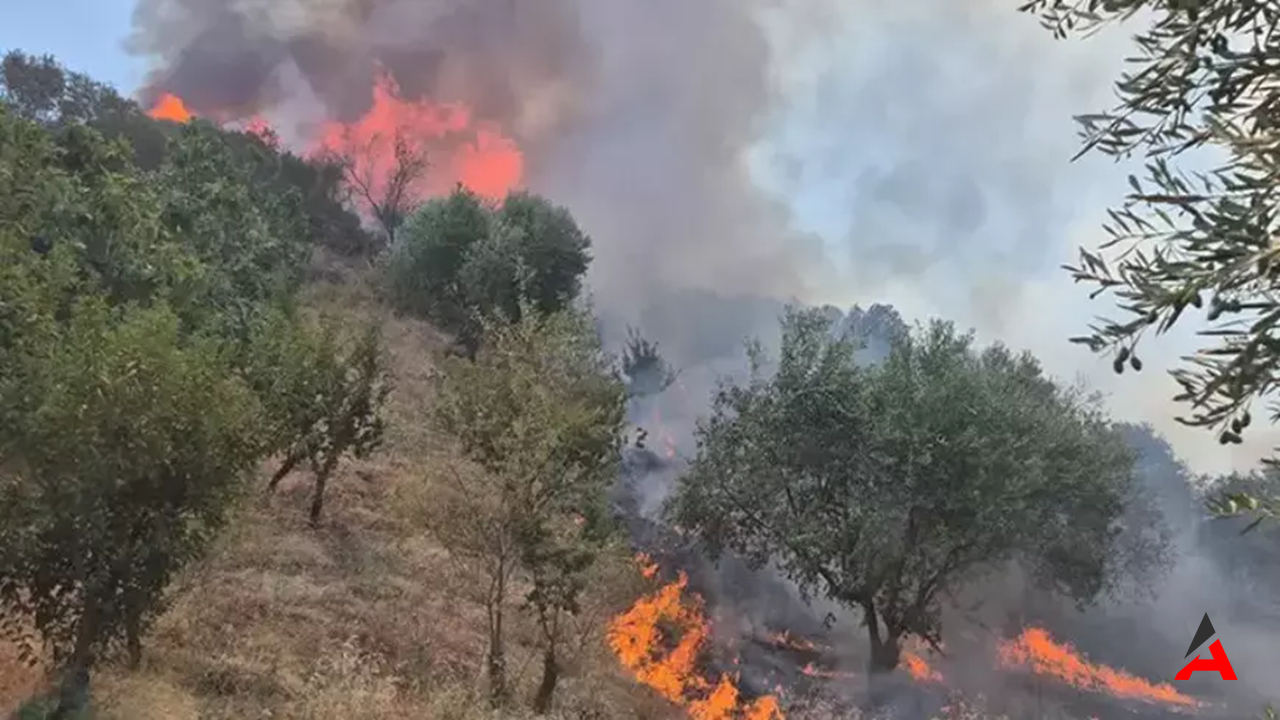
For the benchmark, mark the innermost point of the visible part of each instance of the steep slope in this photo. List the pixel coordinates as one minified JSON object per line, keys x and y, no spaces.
{"x":364,"y":617}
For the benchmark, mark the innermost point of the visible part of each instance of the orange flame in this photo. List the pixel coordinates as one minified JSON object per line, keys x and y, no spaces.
{"x":639,"y":638}
{"x":786,"y":640}
{"x":459,"y":148}
{"x":814,"y":671}
{"x":170,"y":107}
{"x":919,"y":668}
{"x":648,"y":568}
{"x":1037,"y":649}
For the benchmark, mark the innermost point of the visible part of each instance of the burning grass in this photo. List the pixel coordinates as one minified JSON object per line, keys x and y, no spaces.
{"x":366,"y":618}
{"x":1037,"y":651}
{"x":660,"y":640}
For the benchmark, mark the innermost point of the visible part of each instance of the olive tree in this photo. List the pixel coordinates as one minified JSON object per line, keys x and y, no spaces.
{"x":888,"y":487}
{"x":324,"y":397}
{"x":118,"y":476}
{"x":540,"y":415}
{"x":1192,"y":243}
{"x":461,"y":259}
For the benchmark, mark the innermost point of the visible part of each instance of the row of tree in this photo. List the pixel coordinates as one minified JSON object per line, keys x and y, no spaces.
{"x":151,"y":356}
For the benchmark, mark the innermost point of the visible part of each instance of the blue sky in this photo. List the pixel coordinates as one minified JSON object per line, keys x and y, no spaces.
{"x":925,"y":142}
{"x":87,"y":35}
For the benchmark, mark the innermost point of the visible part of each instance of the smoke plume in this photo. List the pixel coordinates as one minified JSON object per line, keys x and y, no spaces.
{"x":635,"y":115}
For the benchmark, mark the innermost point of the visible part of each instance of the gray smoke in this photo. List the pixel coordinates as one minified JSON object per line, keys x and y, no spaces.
{"x":635,"y":115}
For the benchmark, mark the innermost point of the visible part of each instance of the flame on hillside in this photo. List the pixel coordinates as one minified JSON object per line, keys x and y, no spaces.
{"x":648,"y":568}
{"x":788,"y":641}
{"x":919,"y":668}
{"x":170,"y":107}
{"x":660,"y":639}
{"x":460,"y":149}
{"x":1036,"y":650}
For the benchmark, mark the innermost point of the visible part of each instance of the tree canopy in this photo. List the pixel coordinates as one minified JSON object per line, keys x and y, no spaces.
{"x":1183,"y":240}
{"x":1202,"y":88}
{"x":135,"y":369}
{"x":462,"y":258}
{"x":887,"y":487}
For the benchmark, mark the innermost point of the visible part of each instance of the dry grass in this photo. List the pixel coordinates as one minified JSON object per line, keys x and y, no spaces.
{"x":363,"y":617}
{"x":18,"y":680}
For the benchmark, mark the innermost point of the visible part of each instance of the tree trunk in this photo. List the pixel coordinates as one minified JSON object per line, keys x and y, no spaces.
{"x":133,"y":639}
{"x":886,"y":652}
{"x":497,"y":659}
{"x":550,"y":676}
{"x":73,"y":686}
{"x":286,"y":467}
{"x":322,"y":479}
{"x":885,"y":655}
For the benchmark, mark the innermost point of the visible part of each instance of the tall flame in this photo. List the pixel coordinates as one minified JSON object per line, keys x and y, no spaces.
{"x":170,"y":107}
{"x":639,"y":638}
{"x":459,"y":148}
{"x":1036,"y":649}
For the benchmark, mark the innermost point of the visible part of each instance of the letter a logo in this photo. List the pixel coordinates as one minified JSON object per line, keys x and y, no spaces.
{"x":1217,"y":662}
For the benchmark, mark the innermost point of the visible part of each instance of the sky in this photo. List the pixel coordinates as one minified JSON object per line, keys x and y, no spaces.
{"x":927,"y":143}
{"x":87,"y":35}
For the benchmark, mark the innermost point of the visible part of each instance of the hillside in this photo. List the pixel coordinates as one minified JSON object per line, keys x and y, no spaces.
{"x":272,"y":449}
{"x":364,"y":617}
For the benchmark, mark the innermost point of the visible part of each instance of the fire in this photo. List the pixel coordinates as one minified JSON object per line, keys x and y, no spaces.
{"x":919,"y":668}
{"x":640,"y":637}
{"x":785,"y":640}
{"x":814,"y":671}
{"x":648,"y":568}
{"x":668,"y":440}
{"x":170,"y":107}
{"x":1037,"y":649}
{"x":460,"y":149}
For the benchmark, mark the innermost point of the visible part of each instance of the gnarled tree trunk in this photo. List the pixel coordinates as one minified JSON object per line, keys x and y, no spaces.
{"x":73,"y":685}
{"x":886,"y":653}
{"x":550,"y":677}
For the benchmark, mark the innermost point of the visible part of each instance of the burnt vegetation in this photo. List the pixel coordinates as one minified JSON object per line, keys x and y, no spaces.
{"x":166,"y":371}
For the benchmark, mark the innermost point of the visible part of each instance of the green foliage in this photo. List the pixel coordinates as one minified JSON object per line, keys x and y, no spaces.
{"x":426,"y":265}
{"x":1254,"y":495}
{"x":131,"y":304}
{"x":41,"y":89}
{"x":198,"y":233}
{"x":541,"y":414}
{"x":887,"y":487}
{"x":251,"y":242}
{"x":1201,"y":241}
{"x":552,"y":248}
{"x":118,"y":474}
{"x":324,"y":397}
{"x":459,"y":260}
